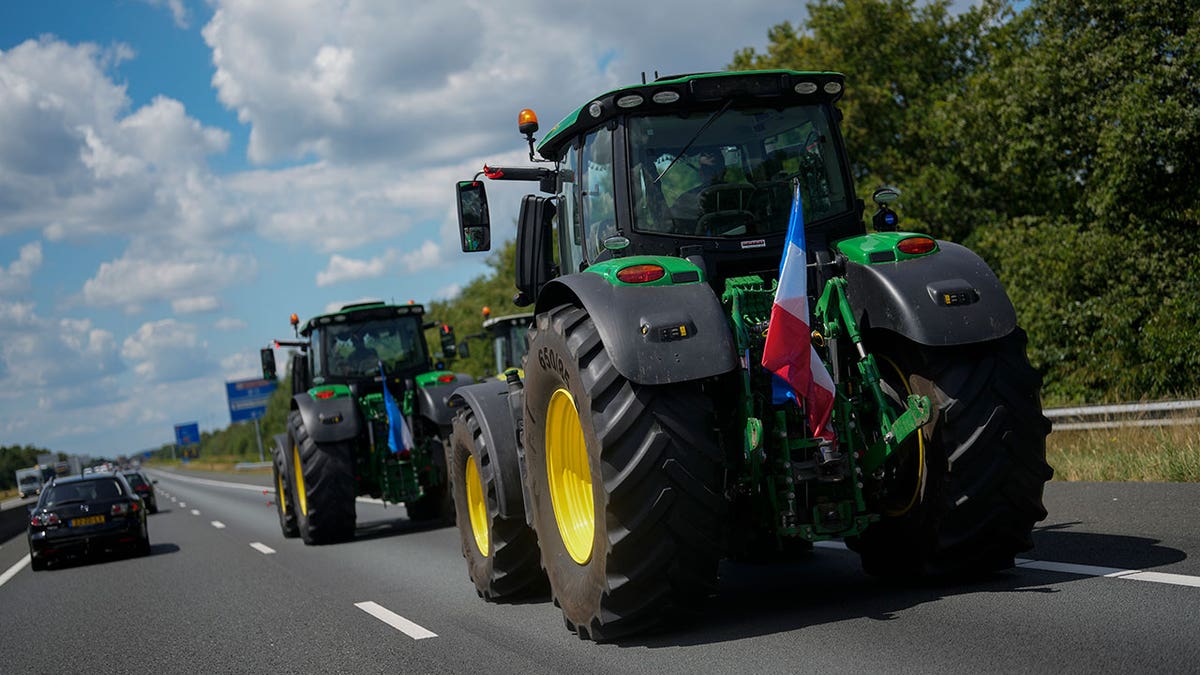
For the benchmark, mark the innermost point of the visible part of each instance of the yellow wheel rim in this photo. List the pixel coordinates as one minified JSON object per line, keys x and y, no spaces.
{"x":920,"y":479}
{"x":569,"y":476}
{"x":298,"y":474}
{"x":476,"y":507}
{"x":279,"y":493}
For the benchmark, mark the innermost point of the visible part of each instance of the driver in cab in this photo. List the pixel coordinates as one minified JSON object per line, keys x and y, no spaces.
{"x":710,"y":171}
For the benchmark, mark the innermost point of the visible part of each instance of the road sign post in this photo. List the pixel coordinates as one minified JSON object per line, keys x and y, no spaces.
{"x":248,"y":401}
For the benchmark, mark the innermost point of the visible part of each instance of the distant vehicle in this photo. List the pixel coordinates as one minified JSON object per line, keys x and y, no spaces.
{"x":29,"y":481}
{"x":84,"y":515}
{"x":144,"y":487}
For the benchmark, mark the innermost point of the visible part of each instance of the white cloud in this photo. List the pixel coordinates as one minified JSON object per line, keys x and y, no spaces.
{"x":195,"y":305}
{"x":178,"y":11}
{"x":16,"y":277}
{"x":448,"y":292}
{"x":167,"y":351}
{"x":36,"y":353}
{"x":132,"y":281}
{"x":230,"y":324}
{"x":241,"y":366}
{"x":341,"y":268}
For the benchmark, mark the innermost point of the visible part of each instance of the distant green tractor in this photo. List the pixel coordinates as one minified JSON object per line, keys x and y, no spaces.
{"x":646,"y":441}
{"x":507,"y":336}
{"x":369,"y":416}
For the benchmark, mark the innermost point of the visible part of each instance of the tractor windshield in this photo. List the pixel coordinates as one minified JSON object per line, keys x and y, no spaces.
{"x":356,"y":349}
{"x":734,"y":180}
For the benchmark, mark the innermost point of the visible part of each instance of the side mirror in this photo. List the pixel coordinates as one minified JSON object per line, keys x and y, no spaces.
{"x":534,"y":261}
{"x":446,"y":334}
{"x":463,"y":350}
{"x":267,"y":355}
{"x":474,"y":227}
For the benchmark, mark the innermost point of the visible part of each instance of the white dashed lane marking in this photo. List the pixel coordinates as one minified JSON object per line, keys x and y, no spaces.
{"x":396,"y":621}
{"x":261,"y":548}
{"x":195,"y":512}
{"x":218,"y":524}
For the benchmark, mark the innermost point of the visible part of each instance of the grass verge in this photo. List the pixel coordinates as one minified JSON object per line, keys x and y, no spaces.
{"x":1151,"y":454}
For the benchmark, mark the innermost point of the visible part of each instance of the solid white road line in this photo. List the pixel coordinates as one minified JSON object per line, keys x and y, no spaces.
{"x":1081,"y":570}
{"x":218,"y":524}
{"x":1111,"y":572}
{"x":396,"y":621}
{"x":195,"y":512}
{"x":261,"y":547}
{"x":216,"y":483}
{"x":12,"y":571}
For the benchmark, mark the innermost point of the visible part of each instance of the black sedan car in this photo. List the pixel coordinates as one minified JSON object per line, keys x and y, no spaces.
{"x":82,"y":515}
{"x":144,"y":487}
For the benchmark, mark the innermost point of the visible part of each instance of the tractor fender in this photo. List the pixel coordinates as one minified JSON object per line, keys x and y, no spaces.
{"x":329,"y":420}
{"x":489,"y":401}
{"x":433,"y":402}
{"x":653,"y":334}
{"x":949,"y":298}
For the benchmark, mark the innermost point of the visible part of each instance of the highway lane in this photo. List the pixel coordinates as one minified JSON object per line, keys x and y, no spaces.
{"x":206,"y":600}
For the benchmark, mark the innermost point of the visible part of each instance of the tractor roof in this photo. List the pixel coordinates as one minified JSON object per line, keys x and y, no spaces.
{"x":362,"y":311}
{"x":696,"y":91}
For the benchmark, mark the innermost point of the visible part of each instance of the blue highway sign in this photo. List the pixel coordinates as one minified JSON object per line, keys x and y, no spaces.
{"x":248,"y":398}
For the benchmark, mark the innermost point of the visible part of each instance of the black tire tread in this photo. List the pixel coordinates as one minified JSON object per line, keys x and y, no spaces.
{"x":662,"y":473}
{"x":984,"y":489}
{"x":329,"y":484}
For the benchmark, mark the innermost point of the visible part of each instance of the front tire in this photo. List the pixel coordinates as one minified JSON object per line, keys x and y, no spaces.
{"x":624,"y":483}
{"x":285,"y":506}
{"x":323,"y":475}
{"x":984,"y":462}
{"x":501,"y":550}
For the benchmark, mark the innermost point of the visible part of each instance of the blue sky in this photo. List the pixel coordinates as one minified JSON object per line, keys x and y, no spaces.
{"x":177,"y":177}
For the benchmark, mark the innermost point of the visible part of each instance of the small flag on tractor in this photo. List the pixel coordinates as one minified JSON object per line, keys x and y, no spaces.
{"x":788,"y":351}
{"x":400,"y":438}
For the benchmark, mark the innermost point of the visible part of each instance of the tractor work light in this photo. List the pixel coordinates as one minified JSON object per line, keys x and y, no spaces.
{"x":641,"y":274}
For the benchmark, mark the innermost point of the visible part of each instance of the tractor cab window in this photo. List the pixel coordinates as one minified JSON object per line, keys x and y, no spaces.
{"x":570,"y":219}
{"x":597,"y":203}
{"x":733,"y":178}
{"x":354,"y":350}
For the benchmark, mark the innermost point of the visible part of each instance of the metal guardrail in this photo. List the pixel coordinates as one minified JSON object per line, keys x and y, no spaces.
{"x":1160,"y":414}
{"x":246,"y":466}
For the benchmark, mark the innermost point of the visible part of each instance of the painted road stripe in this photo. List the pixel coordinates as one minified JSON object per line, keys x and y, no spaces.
{"x":261,"y":547}
{"x":218,"y":524}
{"x":12,"y":571}
{"x":195,"y":512}
{"x":183,"y":505}
{"x":216,"y":483}
{"x":396,"y":621}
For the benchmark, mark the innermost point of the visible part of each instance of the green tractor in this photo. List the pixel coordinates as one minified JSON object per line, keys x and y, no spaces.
{"x":646,"y":441}
{"x":507,"y":337}
{"x":369,"y":416}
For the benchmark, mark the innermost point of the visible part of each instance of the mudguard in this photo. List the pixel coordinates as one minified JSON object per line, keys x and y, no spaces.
{"x":432,"y":402}
{"x":653,"y":334}
{"x":329,"y":420}
{"x":489,"y":401}
{"x":948,"y":298}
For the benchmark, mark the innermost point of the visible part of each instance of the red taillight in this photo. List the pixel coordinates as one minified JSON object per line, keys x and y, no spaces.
{"x":121,"y":508}
{"x":916,"y":245}
{"x":324,"y":393}
{"x":44,"y":519}
{"x":641,"y":274}
{"x":445,"y":378}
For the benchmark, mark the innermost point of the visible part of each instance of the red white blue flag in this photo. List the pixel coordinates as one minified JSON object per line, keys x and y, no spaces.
{"x":788,"y":351}
{"x":400,"y":437}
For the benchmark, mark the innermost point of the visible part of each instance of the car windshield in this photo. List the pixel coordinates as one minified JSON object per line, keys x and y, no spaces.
{"x":135,"y":480}
{"x":83,"y":491}
{"x":29,"y":480}
{"x":357,"y":349}
{"x":735,"y":177}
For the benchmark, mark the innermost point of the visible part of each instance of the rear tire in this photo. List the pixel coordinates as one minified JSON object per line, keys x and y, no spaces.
{"x":624,"y":483}
{"x":985,"y":462}
{"x":38,"y":564}
{"x":324,"y":486}
{"x":285,"y":506}
{"x":501,"y":549}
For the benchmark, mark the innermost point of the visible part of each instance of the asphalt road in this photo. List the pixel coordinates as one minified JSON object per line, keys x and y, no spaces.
{"x":223,"y":591}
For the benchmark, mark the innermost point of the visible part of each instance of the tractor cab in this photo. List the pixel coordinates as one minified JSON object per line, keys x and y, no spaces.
{"x":348,"y":346}
{"x":701,"y":167}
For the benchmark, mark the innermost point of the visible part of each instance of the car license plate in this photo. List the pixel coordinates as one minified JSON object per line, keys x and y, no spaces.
{"x":87,"y":520}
